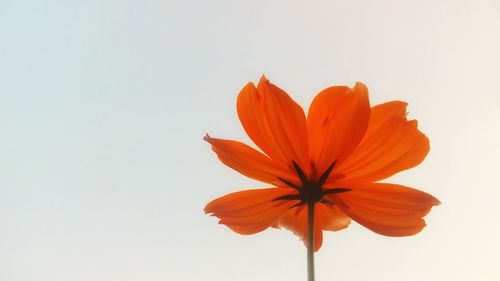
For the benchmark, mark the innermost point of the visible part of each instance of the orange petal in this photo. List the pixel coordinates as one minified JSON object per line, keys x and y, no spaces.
{"x":333,"y":218}
{"x":250,"y":211}
{"x":390,"y":145}
{"x":274,"y":122}
{"x":336,"y":122}
{"x":387,"y":209}
{"x":295,"y":220}
{"x":249,"y":161}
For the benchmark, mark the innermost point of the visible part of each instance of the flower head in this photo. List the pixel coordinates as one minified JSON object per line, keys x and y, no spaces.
{"x":332,"y":160}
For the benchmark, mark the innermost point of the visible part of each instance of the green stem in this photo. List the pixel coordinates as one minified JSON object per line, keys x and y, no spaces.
{"x":310,"y":242}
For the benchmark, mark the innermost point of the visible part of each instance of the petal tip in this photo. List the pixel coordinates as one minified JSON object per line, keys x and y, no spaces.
{"x":249,"y":85}
{"x":207,"y":209}
{"x":359,"y":84}
{"x":360,"y":87}
{"x":435,"y":201}
{"x":207,"y":138}
{"x":264,"y":83}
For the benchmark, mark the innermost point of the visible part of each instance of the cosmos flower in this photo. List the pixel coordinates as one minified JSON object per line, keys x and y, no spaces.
{"x":324,"y":169}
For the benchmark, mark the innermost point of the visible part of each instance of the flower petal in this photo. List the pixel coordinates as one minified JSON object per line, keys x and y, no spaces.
{"x":274,"y":122}
{"x":249,"y":161}
{"x":387,"y":209}
{"x":391,"y":144}
{"x":250,"y":211}
{"x":333,"y":218}
{"x":336,"y":122}
{"x":325,"y":218}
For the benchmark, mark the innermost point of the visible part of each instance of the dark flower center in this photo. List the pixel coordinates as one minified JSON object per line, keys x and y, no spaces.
{"x":310,"y":191}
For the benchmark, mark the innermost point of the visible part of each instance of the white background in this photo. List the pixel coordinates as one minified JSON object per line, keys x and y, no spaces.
{"x":103,"y":106}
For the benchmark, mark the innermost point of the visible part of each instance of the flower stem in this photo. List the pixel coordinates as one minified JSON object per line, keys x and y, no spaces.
{"x":310,"y":242}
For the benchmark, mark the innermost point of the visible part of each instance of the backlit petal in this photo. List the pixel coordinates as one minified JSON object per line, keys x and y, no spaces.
{"x":387,"y":209}
{"x":336,"y":122}
{"x":295,"y":220}
{"x":249,"y":161}
{"x":274,"y":122}
{"x":390,"y":145}
{"x":250,"y":211}
{"x":333,"y":218}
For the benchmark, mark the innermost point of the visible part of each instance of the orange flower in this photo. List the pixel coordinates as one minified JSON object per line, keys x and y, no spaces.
{"x":328,"y":163}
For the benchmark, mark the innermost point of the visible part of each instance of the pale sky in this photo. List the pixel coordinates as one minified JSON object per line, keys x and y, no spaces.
{"x":103,"y":105}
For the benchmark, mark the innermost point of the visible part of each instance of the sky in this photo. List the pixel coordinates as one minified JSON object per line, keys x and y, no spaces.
{"x":103,"y":106}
